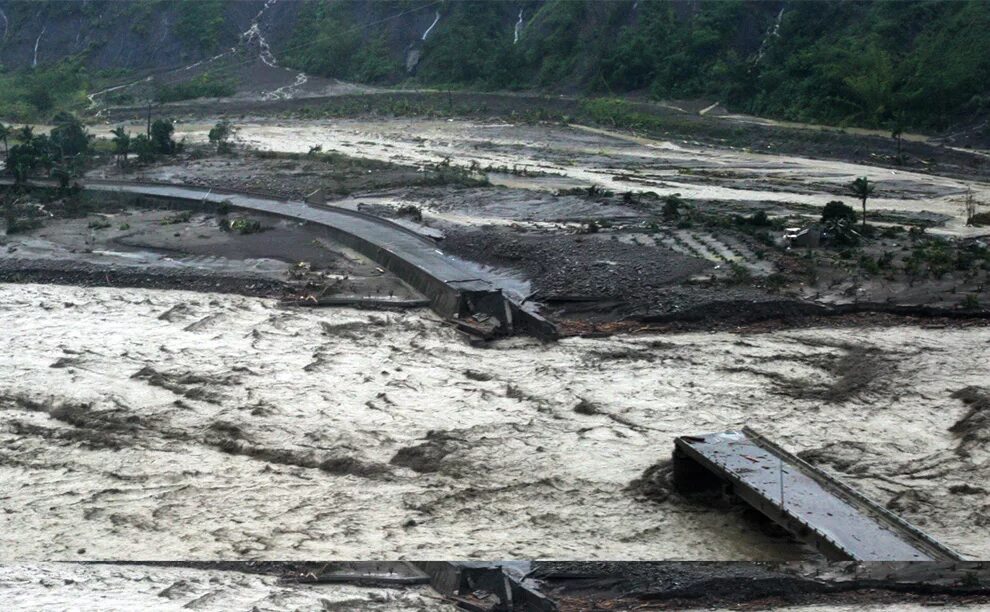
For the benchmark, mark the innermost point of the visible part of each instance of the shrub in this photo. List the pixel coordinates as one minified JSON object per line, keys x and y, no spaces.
{"x":838,"y":210}
{"x":242,"y":226}
{"x":412,"y":211}
{"x":776,"y":281}
{"x":220,"y":135}
{"x":740,"y":274}
{"x":869,"y":265}
{"x":21,"y":217}
{"x":672,"y":205}
{"x":180,"y":217}
{"x":757,"y":219}
{"x":203,"y":86}
{"x":590,"y":227}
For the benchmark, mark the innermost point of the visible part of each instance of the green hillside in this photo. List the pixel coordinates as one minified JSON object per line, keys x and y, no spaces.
{"x":922,"y":64}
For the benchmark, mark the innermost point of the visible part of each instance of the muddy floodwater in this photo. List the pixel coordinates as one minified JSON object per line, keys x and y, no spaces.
{"x":143,"y":424}
{"x":97,"y":588}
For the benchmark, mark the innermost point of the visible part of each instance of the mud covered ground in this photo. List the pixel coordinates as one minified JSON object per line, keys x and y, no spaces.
{"x":953,"y":154}
{"x":177,"y":248}
{"x":565,"y":156}
{"x":142,"y":424}
{"x":579,"y":213}
{"x":551,"y":157}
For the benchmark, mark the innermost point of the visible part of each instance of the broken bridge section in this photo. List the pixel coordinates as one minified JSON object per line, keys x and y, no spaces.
{"x":478,"y":305}
{"x":839,"y":522}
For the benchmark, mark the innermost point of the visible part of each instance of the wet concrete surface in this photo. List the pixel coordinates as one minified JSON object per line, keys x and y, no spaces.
{"x":819,"y":509}
{"x":141,"y":424}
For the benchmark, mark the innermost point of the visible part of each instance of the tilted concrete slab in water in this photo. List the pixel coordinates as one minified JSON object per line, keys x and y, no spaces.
{"x":816,"y":508}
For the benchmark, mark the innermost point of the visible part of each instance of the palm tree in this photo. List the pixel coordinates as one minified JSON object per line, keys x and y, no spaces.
{"x":862,"y":188}
{"x":121,"y":145}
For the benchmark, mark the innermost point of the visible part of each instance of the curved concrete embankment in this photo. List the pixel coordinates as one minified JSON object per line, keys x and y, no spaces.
{"x":454,"y":290}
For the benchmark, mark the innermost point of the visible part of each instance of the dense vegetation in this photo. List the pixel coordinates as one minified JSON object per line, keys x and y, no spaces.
{"x":66,"y":150}
{"x":200,"y":22}
{"x":924,"y":63}
{"x":328,"y":40}
{"x":206,"y":85}
{"x":27,"y":94}
{"x":916,"y":64}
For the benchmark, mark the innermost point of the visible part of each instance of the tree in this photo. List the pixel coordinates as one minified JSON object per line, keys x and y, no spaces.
{"x":23,"y":159}
{"x":5,"y":132}
{"x":862,"y":188}
{"x":896,"y":133}
{"x":672,"y":206}
{"x":220,"y":135}
{"x":971,"y":208}
{"x":144,"y":148}
{"x":24,"y":134}
{"x":161,"y":136}
{"x":121,"y":144}
{"x":838,"y":220}
{"x":69,"y":135}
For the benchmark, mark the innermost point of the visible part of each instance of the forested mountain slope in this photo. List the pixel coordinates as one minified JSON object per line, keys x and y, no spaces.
{"x":921,"y":63}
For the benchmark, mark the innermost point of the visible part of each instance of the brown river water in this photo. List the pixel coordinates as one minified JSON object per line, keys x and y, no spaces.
{"x":143,"y":424}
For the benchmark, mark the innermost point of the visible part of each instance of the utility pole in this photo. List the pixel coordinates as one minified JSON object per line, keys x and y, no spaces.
{"x":149,"y":120}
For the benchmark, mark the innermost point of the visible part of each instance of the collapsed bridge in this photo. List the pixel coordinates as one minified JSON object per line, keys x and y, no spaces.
{"x":838,"y":521}
{"x":474,"y":300}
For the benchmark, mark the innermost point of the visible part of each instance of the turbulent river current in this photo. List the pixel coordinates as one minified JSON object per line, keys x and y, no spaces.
{"x":143,"y":424}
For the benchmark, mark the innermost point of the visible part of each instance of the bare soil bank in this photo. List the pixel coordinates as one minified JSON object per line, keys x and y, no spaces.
{"x":182,"y":248}
{"x":595,"y":259}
